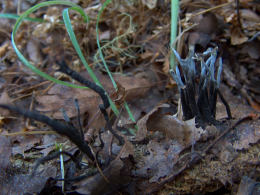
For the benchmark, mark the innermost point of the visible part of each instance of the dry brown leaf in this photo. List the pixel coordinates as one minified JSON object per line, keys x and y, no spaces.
{"x":252,"y":49}
{"x":237,"y":36}
{"x":230,"y":77}
{"x":33,"y":50}
{"x":249,"y":16}
{"x":105,"y":35}
{"x":97,"y":185}
{"x":135,"y":86}
{"x":184,"y":132}
{"x":4,"y":49}
{"x":199,"y":38}
{"x":150,"y":3}
{"x":48,"y":142}
{"x":247,"y":186}
{"x":163,"y":151}
{"x":141,"y":124}
{"x":205,"y":30}
{"x":119,"y":96}
{"x":208,"y":24}
{"x":254,"y":104}
{"x":159,"y":160}
{"x":11,"y":177}
{"x":25,"y":143}
{"x":60,"y":96}
{"x":127,"y":150}
{"x":24,"y":183}
{"x":247,"y":133}
{"x":166,"y":65}
{"x":5,"y":99}
{"x":5,"y":153}
{"x":63,"y":97}
{"x":146,"y":54}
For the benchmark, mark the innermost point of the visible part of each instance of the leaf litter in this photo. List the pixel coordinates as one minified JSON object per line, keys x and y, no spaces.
{"x":164,"y":146}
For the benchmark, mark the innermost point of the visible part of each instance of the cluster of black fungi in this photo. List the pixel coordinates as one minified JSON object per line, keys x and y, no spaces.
{"x":199,"y":90}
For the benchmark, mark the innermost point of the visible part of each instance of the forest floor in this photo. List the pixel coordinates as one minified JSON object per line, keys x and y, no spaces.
{"x":160,"y":152}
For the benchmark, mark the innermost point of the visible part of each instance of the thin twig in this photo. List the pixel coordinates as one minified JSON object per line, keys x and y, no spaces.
{"x":249,"y":117}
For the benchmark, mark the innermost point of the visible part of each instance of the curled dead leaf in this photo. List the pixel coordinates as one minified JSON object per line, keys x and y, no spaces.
{"x":184,"y":132}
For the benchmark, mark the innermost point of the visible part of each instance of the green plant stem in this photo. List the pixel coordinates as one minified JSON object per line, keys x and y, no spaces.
{"x":20,"y":55}
{"x":15,"y":17}
{"x":75,"y":43}
{"x":104,"y":62}
{"x":99,"y":47}
{"x":174,"y":24}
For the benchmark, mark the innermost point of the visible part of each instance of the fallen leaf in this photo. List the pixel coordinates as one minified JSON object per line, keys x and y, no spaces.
{"x":105,"y":35}
{"x":5,"y":153}
{"x":119,"y":96}
{"x":63,"y":97}
{"x":139,"y":107}
{"x":5,"y":99}
{"x":60,"y":96}
{"x":136,"y":86}
{"x":166,"y":65}
{"x":237,"y":36}
{"x":150,"y":3}
{"x":4,"y":49}
{"x":33,"y":50}
{"x":230,"y":77}
{"x":98,"y":185}
{"x":48,"y":142}
{"x":205,"y":30}
{"x":248,"y":186}
{"x":141,"y":124}
{"x":168,"y":137}
{"x":160,"y":160}
{"x":24,"y":183}
{"x":247,"y":133}
{"x":184,"y":132}
{"x":26,"y":143}
{"x":252,"y":49}
{"x":254,"y":104}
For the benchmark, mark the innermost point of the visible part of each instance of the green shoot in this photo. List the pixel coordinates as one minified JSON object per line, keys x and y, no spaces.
{"x":20,"y":55}
{"x":59,"y":148}
{"x":98,"y":43}
{"x":112,"y":44}
{"x":103,"y":60}
{"x":174,"y":24}
{"x":72,"y":36}
{"x":74,"y":41}
{"x":15,"y":17}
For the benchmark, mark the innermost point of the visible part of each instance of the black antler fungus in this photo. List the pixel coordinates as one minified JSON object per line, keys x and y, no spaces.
{"x":61,"y":128}
{"x":200,"y":100}
{"x":67,"y":129}
{"x":99,"y":90}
